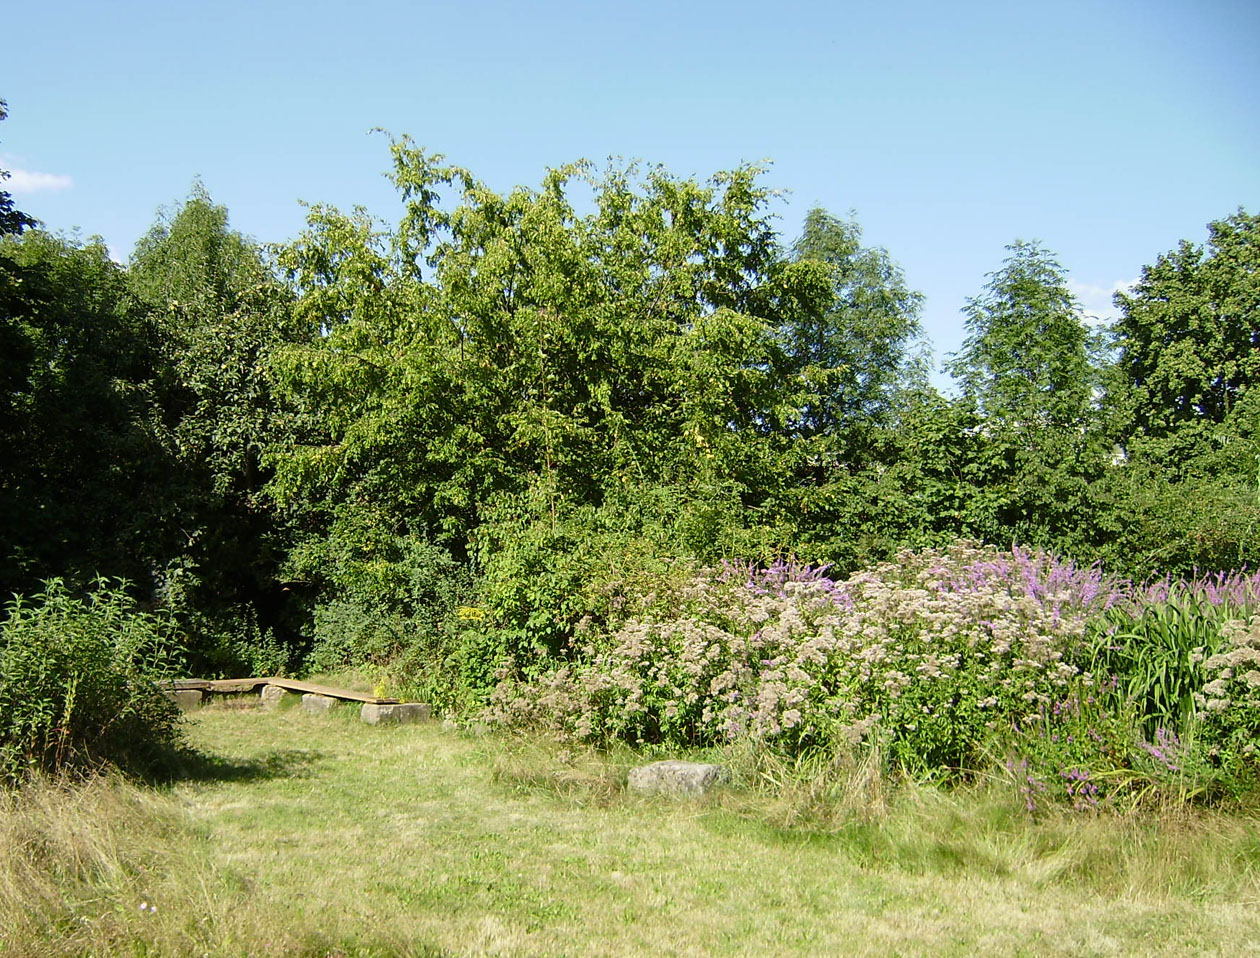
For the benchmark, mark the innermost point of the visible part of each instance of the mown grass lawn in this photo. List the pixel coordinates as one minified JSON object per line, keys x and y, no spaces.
{"x":317,"y":835}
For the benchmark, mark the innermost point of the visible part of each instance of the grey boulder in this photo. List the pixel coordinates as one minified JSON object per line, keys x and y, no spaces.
{"x":674,"y":777}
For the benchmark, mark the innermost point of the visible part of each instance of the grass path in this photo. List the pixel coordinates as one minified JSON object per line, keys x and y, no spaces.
{"x":406,"y":837}
{"x":321,"y":836}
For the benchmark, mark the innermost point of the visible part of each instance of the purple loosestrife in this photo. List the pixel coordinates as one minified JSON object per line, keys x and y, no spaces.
{"x":931,"y":652}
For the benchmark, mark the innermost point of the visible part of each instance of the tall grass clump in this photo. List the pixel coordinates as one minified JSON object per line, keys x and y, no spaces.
{"x":76,"y":859}
{"x":1151,"y":641}
{"x":945,"y":663}
{"x":78,"y":684}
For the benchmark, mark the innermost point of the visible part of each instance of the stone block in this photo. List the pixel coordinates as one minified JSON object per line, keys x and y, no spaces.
{"x":399,"y":714}
{"x":274,"y":697}
{"x":317,"y":703}
{"x":186,"y":699}
{"x":673,"y":777}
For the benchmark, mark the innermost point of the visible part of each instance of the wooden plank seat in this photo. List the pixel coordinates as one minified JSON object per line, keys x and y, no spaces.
{"x":225,"y":686}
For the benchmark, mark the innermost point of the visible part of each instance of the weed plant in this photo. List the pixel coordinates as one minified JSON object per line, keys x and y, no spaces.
{"x":79,"y":684}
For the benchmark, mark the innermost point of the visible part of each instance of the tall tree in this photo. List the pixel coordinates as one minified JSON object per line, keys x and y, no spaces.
{"x":1188,"y":405}
{"x":221,"y":312}
{"x":511,"y":340}
{"x":12,"y":220}
{"x":1189,"y":331}
{"x":858,"y":343}
{"x":505,"y":375}
{"x":1029,"y":368}
{"x":85,"y":475}
{"x":1027,"y":359}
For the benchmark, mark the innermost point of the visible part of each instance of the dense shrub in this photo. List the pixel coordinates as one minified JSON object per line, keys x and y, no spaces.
{"x":1231,"y":700}
{"x":390,"y":604}
{"x":78,"y":684}
{"x":1151,"y":641}
{"x":949,"y":661}
{"x":930,"y":654}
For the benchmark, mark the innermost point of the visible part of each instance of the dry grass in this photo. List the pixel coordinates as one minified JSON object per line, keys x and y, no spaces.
{"x":317,"y":835}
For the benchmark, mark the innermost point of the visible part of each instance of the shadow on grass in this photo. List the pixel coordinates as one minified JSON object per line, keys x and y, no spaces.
{"x":193,"y":765}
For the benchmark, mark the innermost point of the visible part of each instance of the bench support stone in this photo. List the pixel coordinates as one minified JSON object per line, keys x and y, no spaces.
{"x":312,"y":702}
{"x":186,"y":699}
{"x":275,"y":697}
{"x":401,"y":714}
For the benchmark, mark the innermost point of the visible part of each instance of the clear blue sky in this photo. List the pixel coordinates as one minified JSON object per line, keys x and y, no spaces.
{"x":1108,"y":130}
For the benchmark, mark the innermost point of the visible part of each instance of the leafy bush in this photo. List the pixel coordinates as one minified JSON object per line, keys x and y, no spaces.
{"x":391,"y":596}
{"x":78,"y":684}
{"x":548,"y":584}
{"x":1230,"y":701}
{"x":1149,"y":649}
{"x":931,"y":655}
{"x":1086,"y":689}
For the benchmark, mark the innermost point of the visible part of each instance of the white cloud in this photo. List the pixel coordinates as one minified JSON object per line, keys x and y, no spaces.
{"x":28,"y":181}
{"x":1096,"y":300}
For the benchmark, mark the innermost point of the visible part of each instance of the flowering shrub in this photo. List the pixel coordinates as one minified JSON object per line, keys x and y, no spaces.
{"x":1089,"y":688}
{"x":931,"y":653}
{"x":1230,"y":700}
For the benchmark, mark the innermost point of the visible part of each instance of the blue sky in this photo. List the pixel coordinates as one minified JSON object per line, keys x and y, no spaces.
{"x":1108,"y":131}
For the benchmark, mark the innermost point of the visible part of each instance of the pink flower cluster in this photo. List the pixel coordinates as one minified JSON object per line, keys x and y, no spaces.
{"x":931,"y":651}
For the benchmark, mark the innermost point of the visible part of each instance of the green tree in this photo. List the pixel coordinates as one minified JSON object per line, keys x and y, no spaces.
{"x":85,"y":479}
{"x":856,"y":338}
{"x":15,"y":348}
{"x":1189,"y":333}
{"x":221,"y":312}
{"x":1187,"y":409}
{"x":1030,"y":369}
{"x":1027,"y":359}
{"x":12,"y":220}
{"x":510,"y":341}
{"x":503,"y":376}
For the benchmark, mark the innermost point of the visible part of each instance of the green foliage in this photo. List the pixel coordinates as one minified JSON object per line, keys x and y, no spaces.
{"x":485,"y":441}
{"x":1230,"y":702}
{"x":12,"y":220}
{"x":1152,"y":661}
{"x":1026,"y":360}
{"x":1199,"y":514}
{"x":1077,"y":750}
{"x":77,"y":684}
{"x":388,"y":607}
{"x":221,"y":312}
{"x":539,"y":346}
{"x":1187,"y":413}
{"x":1189,"y":333}
{"x":87,"y":479}
{"x":854,"y":340}
{"x":943,"y":663}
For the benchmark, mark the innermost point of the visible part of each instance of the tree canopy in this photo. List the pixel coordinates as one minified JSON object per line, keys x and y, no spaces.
{"x":520,"y":403}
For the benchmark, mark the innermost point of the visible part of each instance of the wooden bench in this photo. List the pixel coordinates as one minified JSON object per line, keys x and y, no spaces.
{"x":229,"y":686}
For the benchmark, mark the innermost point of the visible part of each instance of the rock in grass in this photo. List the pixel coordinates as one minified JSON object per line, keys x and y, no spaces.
{"x":673,"y":777}
{"x":399,"y":714}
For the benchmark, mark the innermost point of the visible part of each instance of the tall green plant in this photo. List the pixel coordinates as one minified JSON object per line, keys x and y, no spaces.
{"x":78,"y":683}
{"x":1155,"y":660}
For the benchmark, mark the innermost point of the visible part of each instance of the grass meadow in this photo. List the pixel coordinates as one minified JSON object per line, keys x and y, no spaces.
{"x":316,"y":835}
